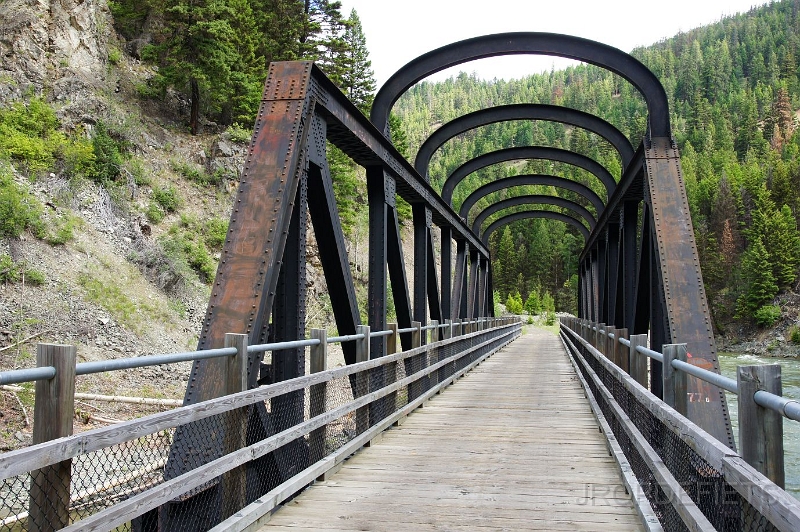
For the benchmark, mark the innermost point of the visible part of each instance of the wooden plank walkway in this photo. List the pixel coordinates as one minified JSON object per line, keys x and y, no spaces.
{"x":511,"y":446}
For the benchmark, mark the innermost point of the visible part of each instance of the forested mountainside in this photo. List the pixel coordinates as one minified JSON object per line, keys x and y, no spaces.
{"x":121,"y":146}
{"x":734,"y":94}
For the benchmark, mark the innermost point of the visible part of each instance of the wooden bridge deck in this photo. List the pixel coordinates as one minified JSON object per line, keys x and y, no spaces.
{"x":511,"y":446}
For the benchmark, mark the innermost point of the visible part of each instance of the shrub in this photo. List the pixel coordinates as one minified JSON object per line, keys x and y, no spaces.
{"x":167,"y":198}
{"x":63,"y":230}
{"x":19,"y":210}
{"x":794,"y":334}
{"x":214,"y":232}
{"x":767,"y":315}
{"x":195,"y":254}
{"x":15,"y":272}
{"x":114,"y":55}
{"x":34,"y":277}
{"x":79,"y":158}
{"x":137,"y":170}
{"x":550,"y":318}
{"x":239,"y":134}
{"x":154,"y":212}
{"x":108,"y":155}
{"x":28,"y":134}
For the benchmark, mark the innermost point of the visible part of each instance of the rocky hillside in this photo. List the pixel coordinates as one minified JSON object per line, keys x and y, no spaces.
{"x":118,"y":268}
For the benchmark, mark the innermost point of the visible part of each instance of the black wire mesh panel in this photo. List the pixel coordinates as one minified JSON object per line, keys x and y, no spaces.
{"x":705,"y":485}
{"x":296,"y":426}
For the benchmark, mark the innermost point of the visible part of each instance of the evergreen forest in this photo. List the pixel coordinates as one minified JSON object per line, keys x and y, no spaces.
{"x":734,"y":92}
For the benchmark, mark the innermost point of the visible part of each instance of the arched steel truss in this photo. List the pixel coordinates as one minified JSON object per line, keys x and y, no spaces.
{"x":639,"y":270}
{"x":553,"y":44}
{"x":524,"y":215}
{"x":527,"y":152}
{"x":528,"y":180}
{"x":522,"y":111}
{"x":533,"y":199}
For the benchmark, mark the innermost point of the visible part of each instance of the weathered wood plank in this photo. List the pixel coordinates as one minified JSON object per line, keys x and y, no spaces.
{"x":477,"y":457}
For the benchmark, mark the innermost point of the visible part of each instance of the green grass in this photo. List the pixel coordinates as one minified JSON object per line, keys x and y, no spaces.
{"x":105,"y":292}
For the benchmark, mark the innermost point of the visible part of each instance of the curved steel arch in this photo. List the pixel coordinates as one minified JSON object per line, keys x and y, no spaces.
{"x":552,"y":215}
{"x":530,"y":179}
{"x":585,"y":50}
{"x":523,"y":111}
{"x":526,"y":152}
{"x":533,"y":199}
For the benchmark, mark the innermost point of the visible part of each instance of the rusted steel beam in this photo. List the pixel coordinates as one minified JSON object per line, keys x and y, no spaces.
{"x":354,"y":134}
{"x":685,"y":307}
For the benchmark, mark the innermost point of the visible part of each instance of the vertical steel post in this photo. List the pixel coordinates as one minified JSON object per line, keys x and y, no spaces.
{"x":446,"y":233}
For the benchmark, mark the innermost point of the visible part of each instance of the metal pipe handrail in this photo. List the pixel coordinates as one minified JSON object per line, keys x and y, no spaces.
{"x":726,"y":383}
{"x":345,"y":338}
{"x":86,"y":368}
{"x":18,"y":376}
{"x":788,"y":408}
{"x":650,"y":353}
{"x":100,"y":366}
{"x":279,"y":346}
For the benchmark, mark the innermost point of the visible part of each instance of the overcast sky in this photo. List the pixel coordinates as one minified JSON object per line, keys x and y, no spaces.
{"x":400,"y":30}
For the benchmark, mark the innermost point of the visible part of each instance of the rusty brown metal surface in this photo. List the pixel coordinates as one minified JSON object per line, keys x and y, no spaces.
{"x":243,"y":291}
{"x":686,"y":308}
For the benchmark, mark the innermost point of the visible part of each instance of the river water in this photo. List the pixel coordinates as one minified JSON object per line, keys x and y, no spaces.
{"x":790,"y":379}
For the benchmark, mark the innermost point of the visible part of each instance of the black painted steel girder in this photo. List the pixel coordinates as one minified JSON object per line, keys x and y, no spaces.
{"x":530,"y":179}
{"x":551,"y":44}
{"x":522,"y":111}
{"x":526,"y":152}
{"x":552,"y":215}
{"x":532,"y":199}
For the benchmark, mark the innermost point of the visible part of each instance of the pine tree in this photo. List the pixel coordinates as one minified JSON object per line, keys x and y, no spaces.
{"x":532,"y":304}
{"x":206,"y":50}
{"x":756,"y":280}
{"x":357,"y":77}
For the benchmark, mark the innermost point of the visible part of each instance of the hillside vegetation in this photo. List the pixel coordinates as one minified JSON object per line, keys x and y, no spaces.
{"x":734,"y":92}
{"x":120,"y":149}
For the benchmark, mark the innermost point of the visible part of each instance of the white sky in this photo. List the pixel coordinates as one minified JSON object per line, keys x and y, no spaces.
{"x":397,"y":31}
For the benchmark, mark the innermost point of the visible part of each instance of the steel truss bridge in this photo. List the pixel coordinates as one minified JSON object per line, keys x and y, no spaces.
{"x":255,"y":429}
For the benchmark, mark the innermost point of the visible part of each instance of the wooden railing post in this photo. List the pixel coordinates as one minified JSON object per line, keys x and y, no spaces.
{"x":674,"y":382}
{"x":53,"y":410}
{"x":433,"y":355}
{"x":319,"y":362}
{"x":362,"y":378}
{"x":610,"y":344}
{"x":621,"y":351}
{"x":234,"y":482}
{"x":602,"y":339}
{"x":760,"y":429}
{"x":391,"y":340}
{"x":636,"y":361}
{"x":448,"y":329}
{"x":416,"y":334}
